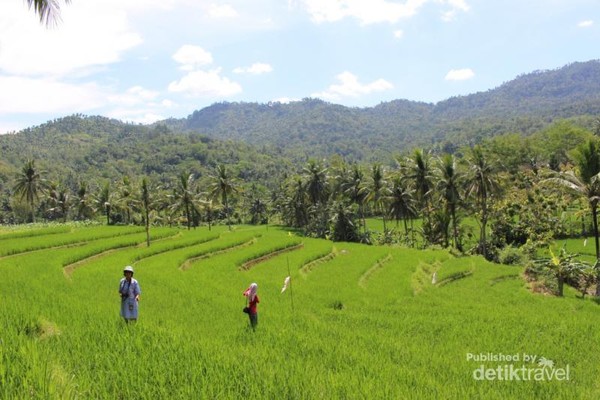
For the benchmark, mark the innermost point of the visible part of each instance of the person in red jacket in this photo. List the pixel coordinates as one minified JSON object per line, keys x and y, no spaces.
{"x":253,"y":300}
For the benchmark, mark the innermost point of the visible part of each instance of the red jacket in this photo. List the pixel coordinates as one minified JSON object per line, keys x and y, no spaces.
{"x":253,"y":304}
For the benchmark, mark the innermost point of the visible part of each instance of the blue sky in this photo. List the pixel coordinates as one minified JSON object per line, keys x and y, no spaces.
{"x":147,"y":60}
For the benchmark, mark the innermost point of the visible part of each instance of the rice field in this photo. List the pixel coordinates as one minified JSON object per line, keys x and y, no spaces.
{"x":359,"y":322}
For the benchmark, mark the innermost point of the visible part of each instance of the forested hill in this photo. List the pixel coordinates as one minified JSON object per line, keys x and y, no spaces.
{"x":99,"y":149}
{"x":261,"y":139}
{"x":565,"y":92}
{"x":314,"y":127}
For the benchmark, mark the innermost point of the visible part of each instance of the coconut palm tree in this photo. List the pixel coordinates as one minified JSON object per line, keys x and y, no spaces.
{"x":316,"y":182}
{"x":418,"y":169}
{"x":295,"y":207}
{"x":354,"y":189}
{"x":103,"y":201}
{"x":344,"y":229}
{"x":59,"y":201}
{"x":47,"y":10}
{"x":125,"y":201}
{"x":224,"y":186}
{"x":209,"y":211}
{"x":30,"y":185}
{"x":378,"y":192}
{"x":448,"y":184}
{"x":481,"y":183}
{"x":84,"y":201}
{"x":258,"y":210}
{"x":183,"y":197}
{"x":146,"y":202}
{"x":401,"y":202}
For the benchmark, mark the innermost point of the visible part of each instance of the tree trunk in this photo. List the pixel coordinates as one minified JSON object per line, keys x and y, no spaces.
{"x":483,"y":234}
{"x":454,"y":229}
{"x":594,"y":206}
{"x":188,"y":216}
{"x":560,"y":285}
{"x":147,"y":227}
{"x":227,"y":211}
{"x":595,"y":221}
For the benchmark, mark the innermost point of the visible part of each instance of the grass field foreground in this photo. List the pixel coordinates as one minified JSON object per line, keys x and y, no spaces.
{"x":358,"y":321}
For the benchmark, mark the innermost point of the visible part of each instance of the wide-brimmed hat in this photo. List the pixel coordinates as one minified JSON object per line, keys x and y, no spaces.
{"x":128,"y":268}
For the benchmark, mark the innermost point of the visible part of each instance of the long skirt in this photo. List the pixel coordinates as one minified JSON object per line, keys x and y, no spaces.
{"x":129,"y":308}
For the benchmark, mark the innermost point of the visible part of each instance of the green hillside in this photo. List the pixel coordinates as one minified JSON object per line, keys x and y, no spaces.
{"x":313,"y":127}
{"x":260,"y":138}
{"x":366,"y":322}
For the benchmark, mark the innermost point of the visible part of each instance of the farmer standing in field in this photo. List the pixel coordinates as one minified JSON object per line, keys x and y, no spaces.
{"x":129,"y":289}
{"x":253,"y":300}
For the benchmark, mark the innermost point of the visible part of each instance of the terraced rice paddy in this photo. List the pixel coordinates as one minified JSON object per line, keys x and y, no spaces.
{"x":367,"y":321}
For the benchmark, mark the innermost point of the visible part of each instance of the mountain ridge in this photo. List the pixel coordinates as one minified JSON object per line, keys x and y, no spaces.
{"x":539,"y":97}
{"x":248,"y":134}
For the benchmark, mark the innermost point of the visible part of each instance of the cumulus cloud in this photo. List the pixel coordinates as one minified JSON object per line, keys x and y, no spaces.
{"x":285,"y":100}
{"x":137,"y":116}
{"x":32,"y":95}
{"x":205,"y":83}
{"x":222,"y":11}
{"x":585,"y":24}
{"x":139,"y":105}
{"x":375,"y":11}
{"x":134,"y":96}
{"x":191,"y":57}
{"x":198,"y":82}
{"x":367,"y":12}
{"x":349,"y":86}
{"x":254,"y":69}
{"x":460,"y":74}
{"x":82,"y":41}
{"x":456,"y":6}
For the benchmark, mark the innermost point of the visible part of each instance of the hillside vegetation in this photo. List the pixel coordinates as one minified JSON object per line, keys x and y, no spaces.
{"x":260,"y":137}
{"x":312,"y":127}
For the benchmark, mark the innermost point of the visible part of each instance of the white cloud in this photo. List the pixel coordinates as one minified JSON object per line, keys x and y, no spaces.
{"x":141,"y":116}
{"x":349,"y":86}
{"x":82,"y":40}
{"x":399,"y":34}
{"x":222,"y":11}
{"x":205,"y":83}
{"x":459,"y":74}
{"x":585,"y":24}
{"x":134,"y":96}
{"x":192,"y":57}
{"x":375,"y":11}
{"x":367,"y":12}
{"x":166,"y":103}
{"x":9,"y":127}
{"x":254,"y":69}
{"x":139,"y":105}
{"x":285,"y":100}
{"x":26,"y":95}
{"x":456,"y":6}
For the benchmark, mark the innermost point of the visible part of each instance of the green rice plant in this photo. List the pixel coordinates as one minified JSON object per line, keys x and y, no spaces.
{"x":353,"y":327}
{"x":30,"y":231}
{"x":454,"y":268}
{"x":43,"y":241}
{"x":98,"y":247}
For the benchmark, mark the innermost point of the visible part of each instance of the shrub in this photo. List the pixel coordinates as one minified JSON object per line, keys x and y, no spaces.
{"x":511,"y":255}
